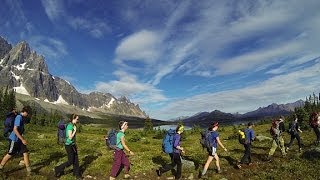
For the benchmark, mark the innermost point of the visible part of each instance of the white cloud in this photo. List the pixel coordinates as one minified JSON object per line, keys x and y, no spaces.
{"x":280,"y":89}
{"x":140,"y":46}
{"x":129,"y":86}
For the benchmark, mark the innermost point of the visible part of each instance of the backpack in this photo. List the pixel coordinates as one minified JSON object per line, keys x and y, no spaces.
{"x":292,"y":127}
{"x":242,"y":136}
{"x":167,"y":142}
{"x":314,"y":120}
{"x":274,"y":129}
{"x":9,"y":124}
{"x":61,"y":132}
{"x":206,"y":140}
{"x":111,"y":139}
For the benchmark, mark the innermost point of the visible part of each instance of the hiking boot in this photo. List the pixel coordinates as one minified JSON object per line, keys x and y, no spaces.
{"x":239,"y":166}
{"x":158,"y":172}
{"x":56,"y":173}
{"x":127,"y":176}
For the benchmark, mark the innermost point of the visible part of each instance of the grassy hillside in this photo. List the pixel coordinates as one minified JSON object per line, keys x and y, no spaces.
{"x":96,"y":159}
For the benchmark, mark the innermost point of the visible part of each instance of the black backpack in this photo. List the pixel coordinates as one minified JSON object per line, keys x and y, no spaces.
{"x":8,"y":124}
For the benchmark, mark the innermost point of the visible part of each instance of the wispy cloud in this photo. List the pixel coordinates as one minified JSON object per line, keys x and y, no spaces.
{"x":49,"y":47}
{"x":54,"y":9}
{"x":57,"y":12}
{"x":96,"y":28}
{"x":281,"y":89}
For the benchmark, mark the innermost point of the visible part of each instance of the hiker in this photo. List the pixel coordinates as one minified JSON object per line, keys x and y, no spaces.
{"x":294,"y":130}
{"x":249,"y":137}
{"x":71,"y":149}
{"x":17,"y":143}
{"x":120,"y":157}
{"x":175,"y":155}
{"x":212,"y":151}
{"x":9,"y":123}
{"x":276,"y":131}
{"x":315,"y":125}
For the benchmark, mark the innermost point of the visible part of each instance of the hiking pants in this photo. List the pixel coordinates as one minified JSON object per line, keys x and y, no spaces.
{"x":247,"y":154}
{"x":72,"y":160}
{"x":119,"y":159}
{"x":295,"y":136}
{"x":275,"y":143}
{"x":317,"y":132}
{"x":175,"y":160}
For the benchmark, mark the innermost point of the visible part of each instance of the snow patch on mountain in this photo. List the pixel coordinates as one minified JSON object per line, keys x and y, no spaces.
{"x":21,"y":90}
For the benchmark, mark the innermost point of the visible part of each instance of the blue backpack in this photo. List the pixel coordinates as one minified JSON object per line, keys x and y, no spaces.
{"x":61,"y":133}
{"x":9,"y":124}
{"x":111,"y":139}
{"x":167,"y":142}
{"x":206,"y":139}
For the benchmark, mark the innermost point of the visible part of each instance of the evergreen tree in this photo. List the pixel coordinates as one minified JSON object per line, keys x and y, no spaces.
{"x":148,"y":126}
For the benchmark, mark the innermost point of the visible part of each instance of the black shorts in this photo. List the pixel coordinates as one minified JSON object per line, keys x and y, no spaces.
{"x":17,"y":148}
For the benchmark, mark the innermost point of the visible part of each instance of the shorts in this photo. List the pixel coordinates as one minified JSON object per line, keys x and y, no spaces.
{"x":212,"y":151}
{"x":17,"y":148}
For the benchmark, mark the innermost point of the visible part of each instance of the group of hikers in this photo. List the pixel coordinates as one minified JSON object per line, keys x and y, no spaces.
{"x":18,"y":144}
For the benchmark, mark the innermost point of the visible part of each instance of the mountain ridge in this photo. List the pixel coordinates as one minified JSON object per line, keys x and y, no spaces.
{"x":24,"y":70}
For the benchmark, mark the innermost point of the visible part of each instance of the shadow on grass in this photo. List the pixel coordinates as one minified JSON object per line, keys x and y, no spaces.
{"x":87,"y":160}
{"x":53,"y":157}
{"x":312,"y":155}
{"x":159,"y":160}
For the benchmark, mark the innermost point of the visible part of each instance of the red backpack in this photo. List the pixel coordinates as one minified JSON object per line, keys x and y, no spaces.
{"x":274,"y":129}
{"x":314,"y":120}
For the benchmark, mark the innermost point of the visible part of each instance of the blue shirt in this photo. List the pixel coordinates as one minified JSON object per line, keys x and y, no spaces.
{"x":214,"y":135}
{"x":176,"y":142}
{"x":17,"y":122}
{"x":249,"y":135}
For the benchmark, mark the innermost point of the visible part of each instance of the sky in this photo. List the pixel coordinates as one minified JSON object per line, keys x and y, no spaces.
{"x":176,"y":58}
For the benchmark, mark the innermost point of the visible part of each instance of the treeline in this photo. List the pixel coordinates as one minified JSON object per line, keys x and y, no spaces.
{"x":311,"y":104}
{"x":7,"y":101}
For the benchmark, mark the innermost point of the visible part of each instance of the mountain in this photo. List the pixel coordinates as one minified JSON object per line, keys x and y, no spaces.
{"x":205,"y":118}
{"x":273,"y":110}
{"x":24,"y":70}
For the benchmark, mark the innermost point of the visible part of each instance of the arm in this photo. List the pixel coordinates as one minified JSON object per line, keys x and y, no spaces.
{"x":15,"y":130}
{"x":125,"y":146}
{"x":252,"y":135}
{"x":72,"y":134}
{"x":220,"y":144}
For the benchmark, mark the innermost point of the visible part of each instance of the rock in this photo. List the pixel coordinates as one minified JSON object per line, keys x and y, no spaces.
{"x":187,"y":163}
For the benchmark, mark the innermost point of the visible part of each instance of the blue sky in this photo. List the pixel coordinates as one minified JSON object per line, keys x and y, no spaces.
{"x":176,"y":58}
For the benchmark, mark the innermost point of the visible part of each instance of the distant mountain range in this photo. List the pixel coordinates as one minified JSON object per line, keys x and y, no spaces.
{"x":25,"y":71}
{"x":206,"y":118}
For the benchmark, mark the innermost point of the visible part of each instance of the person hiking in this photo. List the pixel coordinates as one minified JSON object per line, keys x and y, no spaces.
{"x":175,"y":155}
{"x":249,"y":137}
{"x":71,"y":149}
{"x":315,"y":125}
{"x":294,"y":130}
{"x":17,"y":143}
{"x":120,"y":157}
{"x":276,"y":132}
{"x":212,"y":151}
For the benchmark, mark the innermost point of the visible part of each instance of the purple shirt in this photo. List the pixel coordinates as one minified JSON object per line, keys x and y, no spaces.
{"x":176,"y":142}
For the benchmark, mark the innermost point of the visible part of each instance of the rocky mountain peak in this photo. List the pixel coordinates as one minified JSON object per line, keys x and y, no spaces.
{"x":5,"y":47}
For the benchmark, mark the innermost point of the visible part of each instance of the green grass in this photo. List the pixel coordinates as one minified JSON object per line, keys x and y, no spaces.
{"x":96,"y":159}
